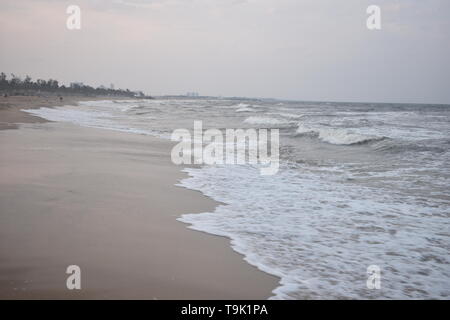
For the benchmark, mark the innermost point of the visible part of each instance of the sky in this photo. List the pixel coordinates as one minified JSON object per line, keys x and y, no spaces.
{"x":317,"y":50}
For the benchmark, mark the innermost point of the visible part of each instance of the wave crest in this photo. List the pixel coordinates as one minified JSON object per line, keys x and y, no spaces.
{"x":337,"y":136}
{"x":265,"y":121}
{"x":245,"y":109}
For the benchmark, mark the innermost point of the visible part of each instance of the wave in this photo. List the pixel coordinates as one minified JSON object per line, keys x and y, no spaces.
{"x":265,"y":121}
{"x":245,"y":109}
{"x":92,"y":119}
{"x":401,"y":146}
{"x":241,"y":105}
{"x":286,"y":115}
{"x":337,"y":135}
{"x":246,"y":105}
{"x":288,"y":233}
{"x":123,"y":105}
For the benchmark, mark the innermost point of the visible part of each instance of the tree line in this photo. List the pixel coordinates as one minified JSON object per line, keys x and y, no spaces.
{"x":15,"y":85}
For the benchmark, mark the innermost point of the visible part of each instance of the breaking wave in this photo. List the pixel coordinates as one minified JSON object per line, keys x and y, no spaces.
{"x":337,"y":135}
{"x":265,"y":121}
{"x":245,"y":109}
{"x":286,"y":115}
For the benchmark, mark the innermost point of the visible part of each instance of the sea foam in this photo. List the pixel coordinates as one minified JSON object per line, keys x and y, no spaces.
{"x":319,"y":235}
{"x":265,"y":121}
{"x":336,"y":135}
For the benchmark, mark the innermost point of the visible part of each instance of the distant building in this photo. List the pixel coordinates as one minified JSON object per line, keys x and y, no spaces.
{"x":76,"y":85}
{"x":192,"y":94}
{"x":111,"y":86}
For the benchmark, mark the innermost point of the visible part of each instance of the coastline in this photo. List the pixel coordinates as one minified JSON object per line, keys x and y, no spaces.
{"x":106,"y":201}
{"x":11,"y":114}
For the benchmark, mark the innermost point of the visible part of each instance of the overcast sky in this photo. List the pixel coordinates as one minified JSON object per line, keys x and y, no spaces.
{"x":291,"y":49}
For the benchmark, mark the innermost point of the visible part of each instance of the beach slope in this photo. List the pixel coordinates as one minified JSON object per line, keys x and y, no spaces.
{"x":107,"y":202}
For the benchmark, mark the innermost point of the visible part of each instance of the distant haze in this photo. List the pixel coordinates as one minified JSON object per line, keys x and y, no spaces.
{"x":289,"y":49}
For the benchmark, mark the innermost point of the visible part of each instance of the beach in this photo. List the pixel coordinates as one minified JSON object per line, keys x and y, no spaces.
{"x":106,"y":201}
{"x":89,"y":182}
{"x":225,"y":150}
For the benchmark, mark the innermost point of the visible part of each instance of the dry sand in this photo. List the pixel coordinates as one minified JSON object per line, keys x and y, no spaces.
{"x":106,"y":201}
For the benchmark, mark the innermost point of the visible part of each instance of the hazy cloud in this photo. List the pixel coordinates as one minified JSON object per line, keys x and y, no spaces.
{"x":309,"y":49}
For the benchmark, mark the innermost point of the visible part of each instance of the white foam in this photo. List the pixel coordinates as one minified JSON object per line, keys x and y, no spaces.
{"x":87,"y":117}
{"x":336,"y":135}
{"x":320,"y":236}
{"x":241,"y":105}
{"x":121,"y":105}
{"x":286,"y":115}
{"x":265,"y":121}
{"x":72,"y":114}
{"x":246,"y":105}
{"x":245,"y":109}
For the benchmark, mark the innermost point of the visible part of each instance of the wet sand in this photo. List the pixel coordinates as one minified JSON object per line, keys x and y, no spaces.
{"x":105,"y":201}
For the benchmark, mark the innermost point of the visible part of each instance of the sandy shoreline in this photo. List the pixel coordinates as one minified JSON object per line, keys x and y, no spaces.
{"x":11,"y":114}
{"x":105,"y":201}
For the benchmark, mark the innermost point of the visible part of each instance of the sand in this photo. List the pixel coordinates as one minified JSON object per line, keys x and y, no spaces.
{"x":107,"y":202}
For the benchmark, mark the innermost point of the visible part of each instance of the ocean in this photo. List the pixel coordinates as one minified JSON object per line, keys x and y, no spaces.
{"x":360,"y":184}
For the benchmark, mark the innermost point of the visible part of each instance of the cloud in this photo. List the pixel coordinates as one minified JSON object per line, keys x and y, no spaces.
{"x":147,"y":4}
{"x":309,"y":49}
